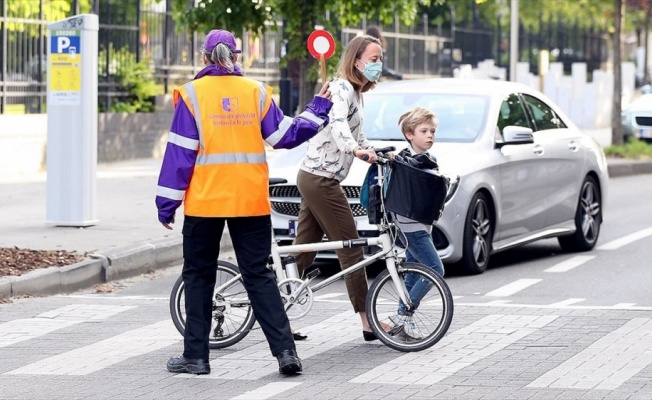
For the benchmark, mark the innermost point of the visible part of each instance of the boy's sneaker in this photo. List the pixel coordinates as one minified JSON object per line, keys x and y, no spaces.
{"x":404,"y":327}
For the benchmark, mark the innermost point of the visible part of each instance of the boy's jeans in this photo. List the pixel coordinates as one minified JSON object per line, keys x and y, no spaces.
{"x":420,"y":250}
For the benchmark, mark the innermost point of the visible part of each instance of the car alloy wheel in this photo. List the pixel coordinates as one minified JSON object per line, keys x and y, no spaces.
{"x":478,"y":233}
{"x":588,"y":218}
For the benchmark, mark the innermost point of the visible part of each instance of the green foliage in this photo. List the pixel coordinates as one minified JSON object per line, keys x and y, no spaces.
{"x":53,"y":10}
{"x":135,"y":78}
{"x":300,"y":18}
{"x":634,"y":149}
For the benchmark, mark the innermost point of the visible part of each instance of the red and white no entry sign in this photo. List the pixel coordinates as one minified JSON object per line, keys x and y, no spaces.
{"x":321,"y":43}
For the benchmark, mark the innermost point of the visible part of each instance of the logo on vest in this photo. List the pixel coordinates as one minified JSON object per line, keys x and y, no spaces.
{"x":230,"y":104}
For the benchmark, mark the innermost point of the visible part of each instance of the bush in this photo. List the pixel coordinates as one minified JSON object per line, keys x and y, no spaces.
{"x":136,"y":79}
{"x":634,"y":149}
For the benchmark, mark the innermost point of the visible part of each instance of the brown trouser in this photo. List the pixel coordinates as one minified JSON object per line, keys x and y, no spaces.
{"x":325,"y":210}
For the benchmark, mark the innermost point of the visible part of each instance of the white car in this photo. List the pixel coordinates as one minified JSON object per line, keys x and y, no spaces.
{"x":637,"y":119}
{"x":526,"y":172}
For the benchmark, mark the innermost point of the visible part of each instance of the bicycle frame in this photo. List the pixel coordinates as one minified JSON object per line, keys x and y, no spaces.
{"x":388,"y":252}
{"x":384,"y":240}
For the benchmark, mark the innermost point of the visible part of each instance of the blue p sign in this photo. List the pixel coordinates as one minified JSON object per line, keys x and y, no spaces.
{"x":65,"y":44}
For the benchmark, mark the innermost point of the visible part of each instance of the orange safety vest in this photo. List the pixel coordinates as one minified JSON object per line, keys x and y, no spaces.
{"x":231,"y":176}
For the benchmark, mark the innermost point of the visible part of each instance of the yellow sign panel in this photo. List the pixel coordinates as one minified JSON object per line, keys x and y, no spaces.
{"x":65,"y":72}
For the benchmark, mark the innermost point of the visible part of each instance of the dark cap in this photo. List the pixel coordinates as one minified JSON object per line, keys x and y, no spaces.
{"x":217,"y":36}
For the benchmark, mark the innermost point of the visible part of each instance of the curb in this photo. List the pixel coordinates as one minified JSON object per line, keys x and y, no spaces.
{"x":618,"y":169}
{"x":101,"y":267}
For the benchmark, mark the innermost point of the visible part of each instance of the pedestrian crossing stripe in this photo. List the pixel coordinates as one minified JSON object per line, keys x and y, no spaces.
{"x":97,"y":356}
{"x":607,"y":363}
{"x":19,"y":330}
{"x":458,"y":350}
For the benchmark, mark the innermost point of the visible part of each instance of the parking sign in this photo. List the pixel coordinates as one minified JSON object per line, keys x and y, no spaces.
{"x":64,"y":67}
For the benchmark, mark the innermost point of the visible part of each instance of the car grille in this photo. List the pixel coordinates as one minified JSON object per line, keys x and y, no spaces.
{"x":644,"y":121}
{"x":292,"y":208}
{"x":351,"y":192}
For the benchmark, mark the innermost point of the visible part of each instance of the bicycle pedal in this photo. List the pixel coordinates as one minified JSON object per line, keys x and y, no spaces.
{"x":313,"y":274}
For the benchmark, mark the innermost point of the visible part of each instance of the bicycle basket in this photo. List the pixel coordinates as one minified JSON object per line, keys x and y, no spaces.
{"x":415,"y":193}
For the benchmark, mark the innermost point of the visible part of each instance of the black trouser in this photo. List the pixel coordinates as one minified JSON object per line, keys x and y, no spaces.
{"x":251,"y":237}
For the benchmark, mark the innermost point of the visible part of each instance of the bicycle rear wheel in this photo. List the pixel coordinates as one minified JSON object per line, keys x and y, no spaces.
{"x":414,"y":330}
{"x":233,"y":316}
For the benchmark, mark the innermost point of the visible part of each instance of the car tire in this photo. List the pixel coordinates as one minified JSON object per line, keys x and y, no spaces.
{"x":478,"y":235}
{"x":588,"y":218}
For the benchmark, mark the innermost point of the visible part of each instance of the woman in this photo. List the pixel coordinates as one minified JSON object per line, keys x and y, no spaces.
{"x":324,"y":207}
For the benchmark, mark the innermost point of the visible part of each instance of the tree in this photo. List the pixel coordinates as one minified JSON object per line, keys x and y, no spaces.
{"x":300,"y":18}
{"x":616,"y":130}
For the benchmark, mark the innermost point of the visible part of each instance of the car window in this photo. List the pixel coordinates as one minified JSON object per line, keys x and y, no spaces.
{"x":544,"y":117}
{"x":512,"y":113}
{"x":461,"y":118}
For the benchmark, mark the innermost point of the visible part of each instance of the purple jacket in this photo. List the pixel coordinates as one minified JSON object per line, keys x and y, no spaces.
{"x":277,"y":130}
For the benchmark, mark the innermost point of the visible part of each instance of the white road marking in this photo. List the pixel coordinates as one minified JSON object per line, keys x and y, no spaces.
{"x":20,"y":330}
{"x":267,"y":391}
{"x":625,"y":305}
{"x":100,"y":297}
{"x":625,"y":240}
{"x":553,"y":306}
{"x":569,"y":264}
{"x":607,"y":363}
{"x":255,"y":362}
{"x":566,"y":302}
{"x":458,"y":350}
{"x":328,"y":296}
{"x":97,"y":356}
{"x":513,"y":287}
{"x":497,"y":302}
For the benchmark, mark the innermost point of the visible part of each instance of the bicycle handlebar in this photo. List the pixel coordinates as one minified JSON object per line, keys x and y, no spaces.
{"x":379,"y":151}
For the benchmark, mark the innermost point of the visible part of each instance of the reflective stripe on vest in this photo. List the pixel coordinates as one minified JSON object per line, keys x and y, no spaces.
{"x":230,"y":178}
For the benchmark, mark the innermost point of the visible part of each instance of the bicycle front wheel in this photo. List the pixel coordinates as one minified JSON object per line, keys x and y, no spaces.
{"x":400,"y":327}
{"x":232,"y":315}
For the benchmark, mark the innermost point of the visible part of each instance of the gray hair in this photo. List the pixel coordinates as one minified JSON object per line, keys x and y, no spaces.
{"x":222,"y":56}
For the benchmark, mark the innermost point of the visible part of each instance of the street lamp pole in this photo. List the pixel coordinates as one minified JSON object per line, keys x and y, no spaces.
{"x":513,"y":40}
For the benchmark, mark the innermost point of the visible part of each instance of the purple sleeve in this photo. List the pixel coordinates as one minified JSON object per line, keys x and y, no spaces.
{"x":178,"y":163}
{"x":283,"y":132}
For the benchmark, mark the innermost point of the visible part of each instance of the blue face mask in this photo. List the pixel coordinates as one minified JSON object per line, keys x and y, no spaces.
{"x":372,"y":70}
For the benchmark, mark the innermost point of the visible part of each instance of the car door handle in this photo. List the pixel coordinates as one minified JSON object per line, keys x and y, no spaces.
{"x":572,"y":146}
{"x":538,"y":150}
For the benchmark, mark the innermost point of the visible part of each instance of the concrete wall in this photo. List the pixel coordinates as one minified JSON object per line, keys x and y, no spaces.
{"x":588,"y":104}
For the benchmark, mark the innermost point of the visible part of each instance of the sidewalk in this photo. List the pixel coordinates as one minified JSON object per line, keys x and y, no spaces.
{"x":128,"y":240}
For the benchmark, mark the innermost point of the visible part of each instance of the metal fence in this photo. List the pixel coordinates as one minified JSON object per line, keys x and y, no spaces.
{"x":130,"y":32}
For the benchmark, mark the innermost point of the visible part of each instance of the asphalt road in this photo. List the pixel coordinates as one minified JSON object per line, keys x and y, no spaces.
{"x":538,"y":324}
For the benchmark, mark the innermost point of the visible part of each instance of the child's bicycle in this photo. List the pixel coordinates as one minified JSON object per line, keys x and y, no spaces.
{"x":417,"y":328}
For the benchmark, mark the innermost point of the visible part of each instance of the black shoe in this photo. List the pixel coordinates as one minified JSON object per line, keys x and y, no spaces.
{"x":299,"y":336}
{"x":189,"y":366}
{"x":288,"y":362}
{"x":369,"y":336}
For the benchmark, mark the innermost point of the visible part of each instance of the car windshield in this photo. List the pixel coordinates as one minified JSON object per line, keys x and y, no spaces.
{"x":461,"y":117}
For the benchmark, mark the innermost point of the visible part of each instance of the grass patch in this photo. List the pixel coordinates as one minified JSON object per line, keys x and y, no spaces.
{"x":634,"y":149}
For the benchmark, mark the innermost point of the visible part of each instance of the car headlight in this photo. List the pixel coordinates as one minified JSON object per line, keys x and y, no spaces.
{"x":625,"y":118}
{"x":452,"y":187}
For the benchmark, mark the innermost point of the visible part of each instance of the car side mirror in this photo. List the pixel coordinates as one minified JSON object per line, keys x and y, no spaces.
{"x":516,"y":135}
